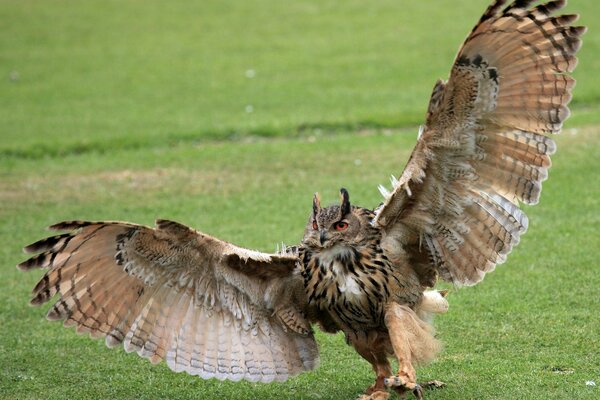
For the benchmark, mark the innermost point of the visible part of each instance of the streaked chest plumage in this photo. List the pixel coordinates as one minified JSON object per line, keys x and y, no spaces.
{"x":353,"y":285}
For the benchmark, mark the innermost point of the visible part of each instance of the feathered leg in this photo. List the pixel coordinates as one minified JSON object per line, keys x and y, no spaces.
{"x":412,"y":341}
{"x":378,"y":390}
{"x":372,"y":350}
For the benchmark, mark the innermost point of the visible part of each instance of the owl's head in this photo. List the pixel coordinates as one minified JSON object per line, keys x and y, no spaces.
{"x":341,"y":224}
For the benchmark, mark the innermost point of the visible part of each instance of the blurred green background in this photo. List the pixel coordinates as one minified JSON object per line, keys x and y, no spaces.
{"x":98,"y":74}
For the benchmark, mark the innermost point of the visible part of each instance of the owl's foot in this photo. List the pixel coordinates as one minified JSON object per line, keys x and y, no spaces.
{"x":433,"y":385}
{"x":399,"y":382}
{"x":405,"y":378}
{"x":377,"y":391}
{"x":377,"y":395}
{"x":402,"y":385}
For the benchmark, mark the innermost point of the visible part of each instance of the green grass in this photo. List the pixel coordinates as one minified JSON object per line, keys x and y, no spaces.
{"x":504,"y":338}
{"x":132,"y":96}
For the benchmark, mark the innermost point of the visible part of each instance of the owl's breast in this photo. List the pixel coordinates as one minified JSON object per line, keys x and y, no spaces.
{"x":352,"y":285}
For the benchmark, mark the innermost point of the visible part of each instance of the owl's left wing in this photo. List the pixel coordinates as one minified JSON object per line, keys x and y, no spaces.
{"x":205,"y":306}
{"x":454,"y":211}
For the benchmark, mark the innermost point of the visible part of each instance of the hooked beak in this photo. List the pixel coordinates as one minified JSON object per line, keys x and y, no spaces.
{"x":322,"y":237}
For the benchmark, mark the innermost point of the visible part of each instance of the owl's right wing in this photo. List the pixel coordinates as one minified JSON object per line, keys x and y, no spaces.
{"x":455,"y":209}
{"x":207,"y":307}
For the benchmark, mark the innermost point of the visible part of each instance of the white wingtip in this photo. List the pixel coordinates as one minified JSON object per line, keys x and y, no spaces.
{"x":281,"y":249}
{"x":384,"y":192}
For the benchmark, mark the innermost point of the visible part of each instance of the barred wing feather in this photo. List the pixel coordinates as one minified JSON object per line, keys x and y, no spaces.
{"x":454,"y":211}
{"x":205,"y":306}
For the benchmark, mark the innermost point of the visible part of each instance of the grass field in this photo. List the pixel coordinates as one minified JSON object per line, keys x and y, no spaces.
{"x":130,"y":110}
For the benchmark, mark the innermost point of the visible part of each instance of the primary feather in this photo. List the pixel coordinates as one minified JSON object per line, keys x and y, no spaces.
{"x":176,"y":294}
{"x":483,"y":149}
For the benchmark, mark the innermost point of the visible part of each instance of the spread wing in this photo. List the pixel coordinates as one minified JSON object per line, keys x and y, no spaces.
{"x":205,"y":306}
{"x":454,"y":211}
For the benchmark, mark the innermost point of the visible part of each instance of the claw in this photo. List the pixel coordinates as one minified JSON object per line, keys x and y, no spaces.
{"x":394,"y":381}
{"x":433,"y":385}
{"x":378,"y":395}
{"x":418,"y":392}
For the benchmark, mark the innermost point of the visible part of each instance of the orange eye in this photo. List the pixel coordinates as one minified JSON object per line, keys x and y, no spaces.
{"x":341,"y":226}
{"x":315,"y":226}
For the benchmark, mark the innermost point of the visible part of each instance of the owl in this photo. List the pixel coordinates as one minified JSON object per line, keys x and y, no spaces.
{"x":216,"y":310}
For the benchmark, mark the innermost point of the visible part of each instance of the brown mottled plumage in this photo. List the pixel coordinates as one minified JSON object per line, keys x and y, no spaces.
{"x":213,"y":309}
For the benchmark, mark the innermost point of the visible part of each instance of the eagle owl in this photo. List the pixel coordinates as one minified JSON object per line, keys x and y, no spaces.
{"x":217,"y":310}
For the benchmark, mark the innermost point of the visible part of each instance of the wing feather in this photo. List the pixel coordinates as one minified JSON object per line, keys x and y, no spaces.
{"x":483,"y":148}
{"x":171,"y":293}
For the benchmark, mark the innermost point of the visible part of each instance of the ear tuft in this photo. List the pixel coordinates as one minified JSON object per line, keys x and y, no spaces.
{"x":316,"y":204}
{"x":345,"y":207}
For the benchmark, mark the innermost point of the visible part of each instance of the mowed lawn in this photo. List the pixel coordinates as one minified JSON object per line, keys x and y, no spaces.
{"x":228,"y":117}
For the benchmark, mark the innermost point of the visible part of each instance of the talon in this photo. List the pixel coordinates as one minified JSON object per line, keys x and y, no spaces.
{"x":394,"y":381}
{"x":378,"y":395}
{"x":418,"y":392}
{"x":433,"y":385}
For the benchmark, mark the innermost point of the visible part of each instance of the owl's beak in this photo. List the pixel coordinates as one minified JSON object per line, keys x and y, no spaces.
{"x":323,"y":237}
